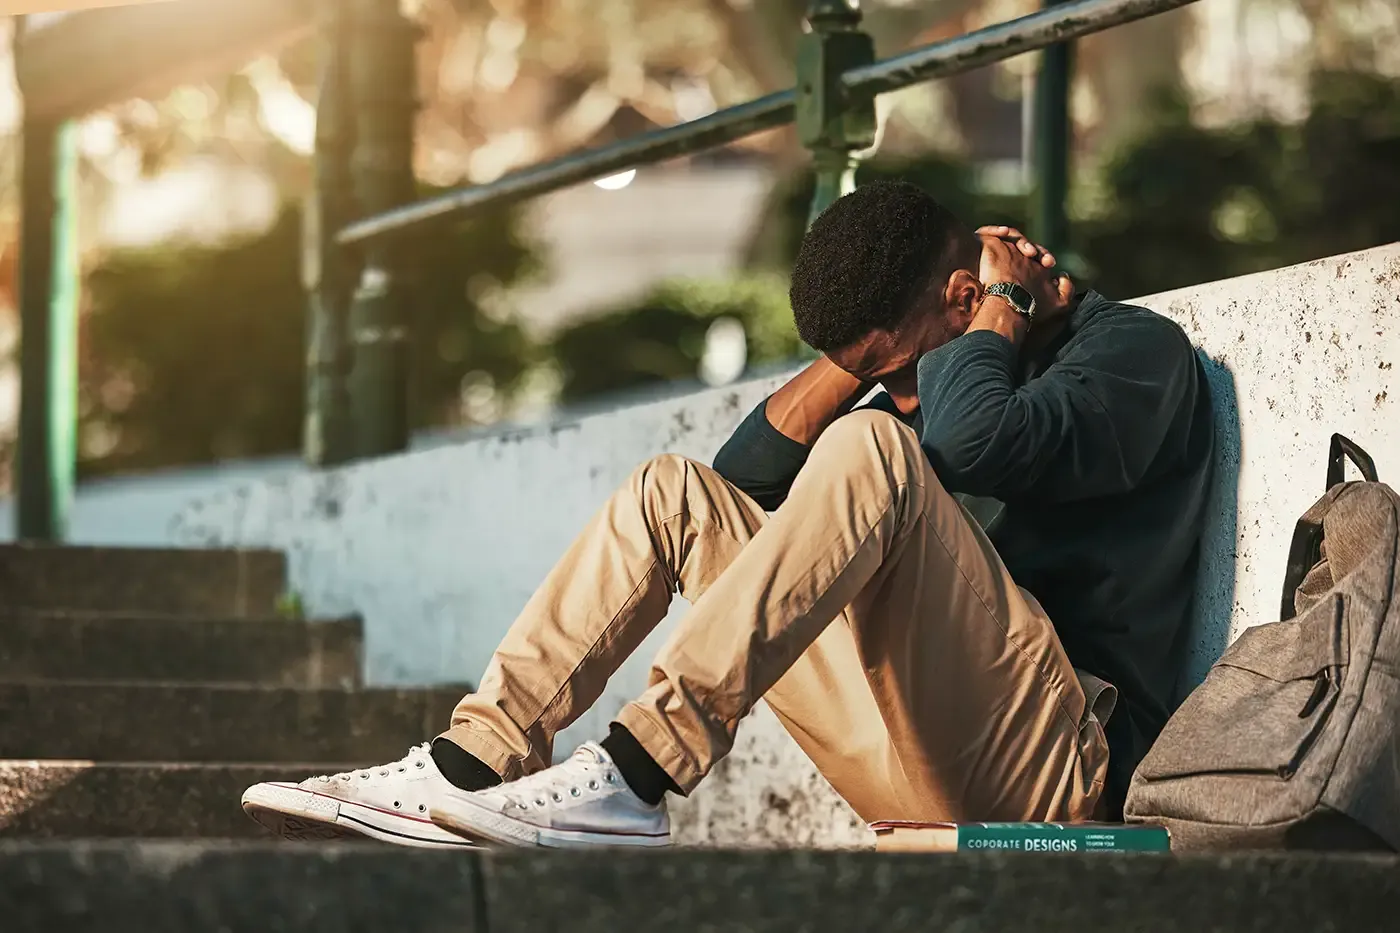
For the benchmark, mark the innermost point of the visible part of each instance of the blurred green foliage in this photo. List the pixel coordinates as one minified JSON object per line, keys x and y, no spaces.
{"x":194,"y":353}
{"x":1186,"y":204}
{"x":661,"y":337}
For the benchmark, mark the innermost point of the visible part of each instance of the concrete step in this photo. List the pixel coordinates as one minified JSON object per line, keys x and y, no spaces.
{"x":181,"y":722}
{"x":81,"y":646}
{"x":83,"y":799}
{"x":211,"y":582}
{"x":178,"y":887}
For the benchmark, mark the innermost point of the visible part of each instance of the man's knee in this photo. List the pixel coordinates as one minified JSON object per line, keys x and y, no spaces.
{"x":663,"y":476}
{"x":861,"y":436}
{"x":869,"y":443}
{"x":869,"y":424}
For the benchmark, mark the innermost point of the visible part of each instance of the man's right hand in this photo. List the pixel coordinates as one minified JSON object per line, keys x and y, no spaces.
{"x":1020,"y":241}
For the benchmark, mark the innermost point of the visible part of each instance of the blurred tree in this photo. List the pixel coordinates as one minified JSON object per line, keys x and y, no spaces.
{"x":195,"y":353}
{"x":661,"y":337}
{"x":507,"y":85}
{"x":1186,"y":204}
{"x":1347,"y":152}
{"x":1182,"y":203}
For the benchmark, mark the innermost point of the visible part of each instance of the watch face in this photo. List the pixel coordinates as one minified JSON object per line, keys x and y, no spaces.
{"x":1023,"y":298}
{"x":1020,"y":299}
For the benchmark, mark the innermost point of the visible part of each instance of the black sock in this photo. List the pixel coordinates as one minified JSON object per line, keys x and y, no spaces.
{"x":461,"y":768}
{"x":647,"y":779}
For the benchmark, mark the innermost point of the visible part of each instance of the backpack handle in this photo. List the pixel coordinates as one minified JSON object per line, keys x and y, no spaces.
{"x":1343,"y":449}
{"x":1306,"y":548}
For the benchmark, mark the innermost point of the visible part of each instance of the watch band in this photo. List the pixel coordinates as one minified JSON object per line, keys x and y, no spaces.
{"x":1020,"y":299}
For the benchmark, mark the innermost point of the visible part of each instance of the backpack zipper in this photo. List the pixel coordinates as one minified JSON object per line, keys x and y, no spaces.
{"x":1321,"y":684}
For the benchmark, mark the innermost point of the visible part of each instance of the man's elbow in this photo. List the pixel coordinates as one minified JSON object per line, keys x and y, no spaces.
{"x":727,"y":463}
{"x":960,"y":468}
{"x":732,"y":466}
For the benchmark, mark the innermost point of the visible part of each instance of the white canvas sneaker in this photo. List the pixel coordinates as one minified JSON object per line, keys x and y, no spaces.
{"x":578,"y":803}
{"x":389,"y":803}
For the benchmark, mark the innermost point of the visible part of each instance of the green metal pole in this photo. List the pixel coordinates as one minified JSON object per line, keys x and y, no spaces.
{"x":1052,"y":144}
{"x":48,"y":299}
{"x":382,"y":79}
{"x":327,"y":267}
{"x":832,"y":124}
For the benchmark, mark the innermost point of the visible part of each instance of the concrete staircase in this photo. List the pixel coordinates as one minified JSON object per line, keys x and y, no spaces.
{"x":175,"y":887}
{"x":142,"y":690}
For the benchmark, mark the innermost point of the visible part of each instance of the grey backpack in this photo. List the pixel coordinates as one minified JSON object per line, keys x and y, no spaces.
{"x":1293,"y":739}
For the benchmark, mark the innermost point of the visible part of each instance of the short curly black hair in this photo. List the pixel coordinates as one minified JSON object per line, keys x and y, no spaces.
{"x":868,"y":258}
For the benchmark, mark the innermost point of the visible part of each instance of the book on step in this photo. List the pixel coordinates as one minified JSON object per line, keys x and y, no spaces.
{"x":903,"y":836}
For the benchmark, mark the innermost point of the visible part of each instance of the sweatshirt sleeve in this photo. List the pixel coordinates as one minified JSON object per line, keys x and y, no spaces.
{"x":760,"y":459}
{"x":1091,"y":425}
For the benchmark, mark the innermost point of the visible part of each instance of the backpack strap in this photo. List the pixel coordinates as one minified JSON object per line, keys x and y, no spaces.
{"x":1344,"y":448}
{"x":1306,"y":549}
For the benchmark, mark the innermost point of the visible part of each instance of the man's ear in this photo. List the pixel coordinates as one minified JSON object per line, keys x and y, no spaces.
{"x":962,"y":294}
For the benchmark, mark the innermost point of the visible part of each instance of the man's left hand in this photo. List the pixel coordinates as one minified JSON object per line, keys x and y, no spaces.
{"x":1008,"y":256}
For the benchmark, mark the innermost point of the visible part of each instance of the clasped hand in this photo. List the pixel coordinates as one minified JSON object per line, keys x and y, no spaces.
{"x":1008,"y":255}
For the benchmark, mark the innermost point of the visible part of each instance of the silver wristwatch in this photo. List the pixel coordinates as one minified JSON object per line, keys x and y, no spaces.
{"x":1020,"y":299}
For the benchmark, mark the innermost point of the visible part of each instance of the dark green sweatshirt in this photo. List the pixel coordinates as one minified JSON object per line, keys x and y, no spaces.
{"x":1101,"y":451}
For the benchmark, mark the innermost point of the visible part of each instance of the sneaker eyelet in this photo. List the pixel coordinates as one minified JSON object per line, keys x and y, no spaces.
{"x":574,"y":792}
{"x":610,"y":778}
{"x":422,"y":808}
{"x":419,"y":764}
{"x":539,"y":801}
{"x":593,"y":785}
{"x":402,"y":769}
{"x":364,"y":775}
{"x":397,"y":805}
{"x":384,"y":773}
{"x":558,"y":798}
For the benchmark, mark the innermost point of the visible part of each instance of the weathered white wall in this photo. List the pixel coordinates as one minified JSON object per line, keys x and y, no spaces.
{"x":139,"y":510}
{"x":439,"y":550}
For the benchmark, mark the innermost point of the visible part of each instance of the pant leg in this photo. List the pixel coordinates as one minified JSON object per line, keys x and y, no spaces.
{"x":673,"y":527}
{"x":943,"y":693}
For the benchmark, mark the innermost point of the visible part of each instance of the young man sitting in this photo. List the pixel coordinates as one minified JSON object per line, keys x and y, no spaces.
{"x":932,"y":670}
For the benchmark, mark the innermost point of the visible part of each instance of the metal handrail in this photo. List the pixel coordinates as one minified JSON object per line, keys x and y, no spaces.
{"x":1048,"y":26}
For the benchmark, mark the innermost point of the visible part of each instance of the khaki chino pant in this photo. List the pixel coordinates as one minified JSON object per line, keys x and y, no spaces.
{"x":869,"y":611}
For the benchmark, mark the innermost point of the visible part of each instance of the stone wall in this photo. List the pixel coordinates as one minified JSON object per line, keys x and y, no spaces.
{"x":438,"y":550}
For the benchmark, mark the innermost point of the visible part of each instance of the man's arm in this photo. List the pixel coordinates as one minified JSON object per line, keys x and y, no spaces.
{"x":766,"y":451}
{"x":1092,"y":425}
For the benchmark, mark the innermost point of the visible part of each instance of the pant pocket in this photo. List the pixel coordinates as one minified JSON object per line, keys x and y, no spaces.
{"x":1100,"y":698}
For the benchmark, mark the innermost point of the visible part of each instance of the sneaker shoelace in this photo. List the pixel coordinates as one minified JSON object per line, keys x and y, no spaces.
{"x":568,"y":780}
{"x":417,"y":757}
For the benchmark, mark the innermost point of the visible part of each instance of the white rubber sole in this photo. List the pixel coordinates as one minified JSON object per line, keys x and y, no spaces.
{"x":464,"y":818}
{"x":301,"y":815}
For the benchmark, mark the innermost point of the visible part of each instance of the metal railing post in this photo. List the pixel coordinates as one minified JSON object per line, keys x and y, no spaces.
{"x":327,"y":267}
{"x":831,"y":122}
{"x":1052,"y":144}
{"x":383,"y":82}
{"x":49,"y":276}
